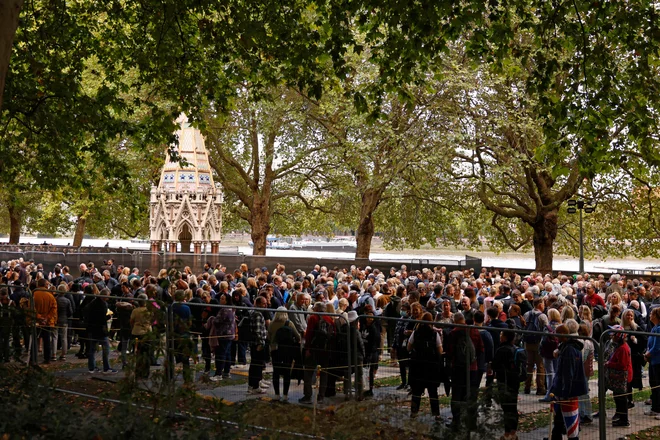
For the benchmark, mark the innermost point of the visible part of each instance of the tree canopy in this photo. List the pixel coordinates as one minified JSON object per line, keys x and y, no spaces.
{"x":531,"y":99}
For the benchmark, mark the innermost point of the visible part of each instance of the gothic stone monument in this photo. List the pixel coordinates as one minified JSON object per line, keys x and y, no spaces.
{"x":185,"y":208}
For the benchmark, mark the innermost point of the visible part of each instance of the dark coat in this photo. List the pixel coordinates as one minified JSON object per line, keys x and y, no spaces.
{"x":97,"y":319}
{"x":424,"y":358}
{"x":570,"y":381}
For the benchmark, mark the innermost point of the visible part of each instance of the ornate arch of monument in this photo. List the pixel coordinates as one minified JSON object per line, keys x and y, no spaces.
{"x":185,"y":207}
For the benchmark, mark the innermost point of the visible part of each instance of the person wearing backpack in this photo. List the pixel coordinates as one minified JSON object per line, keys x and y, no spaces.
{"x":510,"y":369}
{"x":463,"y":347}
{"x":318,"y":341}
{"x":284,"y":339}
{"x":550,"y":343}
{"x":425,"y":349}
{"x":535,"y":321}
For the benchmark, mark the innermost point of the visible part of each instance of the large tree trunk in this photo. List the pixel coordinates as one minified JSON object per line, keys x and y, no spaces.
{"x":365,"y":230}
{"x":260,"y":225}
{"x":9,"y":11}
{"x":14,"y":225}
{"x":545,"y":233}
{"x":80,"y":231}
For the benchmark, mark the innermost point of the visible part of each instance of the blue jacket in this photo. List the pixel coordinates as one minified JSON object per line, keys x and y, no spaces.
{"x":569,"y":380}
{"x":653,"y":346}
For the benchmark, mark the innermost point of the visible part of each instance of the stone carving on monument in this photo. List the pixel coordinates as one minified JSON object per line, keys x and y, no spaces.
{"x":185,"y":207}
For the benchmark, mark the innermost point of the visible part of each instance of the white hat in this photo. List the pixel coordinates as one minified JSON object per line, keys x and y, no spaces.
{"x":352,"y":316}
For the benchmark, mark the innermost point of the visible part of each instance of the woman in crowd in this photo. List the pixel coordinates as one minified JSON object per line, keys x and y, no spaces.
{"x":425,"y":349}
{"x":586,"y":318}
{"x":400,"y":344}
{"x":619,"y":373}
{"x":549,"y":344}
{"x":446,"y":316}
{"x":284,"y":339}
{"x":223,"y":333}
{"x":141,"y":319}
{"x":637,"y":346}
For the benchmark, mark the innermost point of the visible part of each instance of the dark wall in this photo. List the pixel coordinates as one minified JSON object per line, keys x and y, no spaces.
{"x":156,"y":261}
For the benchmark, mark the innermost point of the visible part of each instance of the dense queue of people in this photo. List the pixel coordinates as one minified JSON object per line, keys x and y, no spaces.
{"x":309,"y":325}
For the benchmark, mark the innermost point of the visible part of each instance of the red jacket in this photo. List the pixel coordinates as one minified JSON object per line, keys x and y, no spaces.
{"x":621,"y":360}
{"x":594,"y":300}
{"x":312,"y":323}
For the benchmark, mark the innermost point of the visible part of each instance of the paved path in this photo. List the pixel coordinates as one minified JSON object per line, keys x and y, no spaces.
{"x":398,"y":399}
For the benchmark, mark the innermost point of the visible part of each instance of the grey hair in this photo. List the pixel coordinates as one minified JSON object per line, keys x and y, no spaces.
{"x":572,"y":326}
{"x":142,"y":298}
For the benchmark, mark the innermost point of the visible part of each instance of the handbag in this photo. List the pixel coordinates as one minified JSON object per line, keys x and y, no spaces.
{"x":616,"y":380}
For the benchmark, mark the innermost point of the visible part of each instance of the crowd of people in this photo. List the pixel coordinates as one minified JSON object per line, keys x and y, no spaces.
{"x":310,"y":324}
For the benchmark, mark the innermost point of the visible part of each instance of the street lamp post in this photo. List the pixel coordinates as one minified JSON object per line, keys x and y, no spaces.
{"x":588,"y":207}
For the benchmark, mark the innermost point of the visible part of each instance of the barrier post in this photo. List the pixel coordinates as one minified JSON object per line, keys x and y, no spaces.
{"x":349,"y":391}
{"x":602,"y":391}
{"x":33,"y":355}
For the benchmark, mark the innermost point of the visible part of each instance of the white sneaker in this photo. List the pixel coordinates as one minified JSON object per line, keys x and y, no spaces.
{"x":264,"y":384}
{"x":216,"y":378}
{"x":657,"y":417}
{"x":256,"y":391}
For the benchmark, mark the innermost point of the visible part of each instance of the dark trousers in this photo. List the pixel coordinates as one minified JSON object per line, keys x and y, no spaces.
{"x":206,"y":354}
{"x":256,"y":370}
{"x":390,"y":333}
{"x":222,"y":357}
{"x":142,"y":356}
{"x":621,"y":402}
{"x":372,"y":360}
{"x":446,"y":377}
{"x":5,"y":333}
{"x":473,"y":397}
{"x":459,"y":396}
{"x":508,"y":398}
{"x":43,"y":333}
{"x":281,"y":369}
{"x":404,"y":364}
{"x":84,"y":342}
{"x":488,"y":394}
{"x":417,"y":391}
{"x":311,"y":362}
{"x":93,"y":342}
{"x":183,"y":349}
{"x":240,"y":348}
{"x":475,"y":382}
{"x":19,"y":331}
{"x":654,"y":381}
{"x":534,"y":358}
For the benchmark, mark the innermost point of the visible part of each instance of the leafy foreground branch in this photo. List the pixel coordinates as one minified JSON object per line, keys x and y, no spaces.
{"x":40,"y":412}
{"x":128,"y":412}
